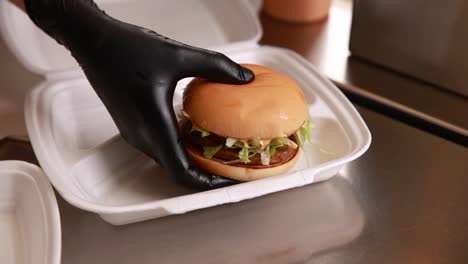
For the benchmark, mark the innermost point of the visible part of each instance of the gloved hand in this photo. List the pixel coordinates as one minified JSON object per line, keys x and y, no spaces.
{"x":134,"y":71}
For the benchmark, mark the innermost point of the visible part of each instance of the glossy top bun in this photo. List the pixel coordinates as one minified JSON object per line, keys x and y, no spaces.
{"x":270,"y":106}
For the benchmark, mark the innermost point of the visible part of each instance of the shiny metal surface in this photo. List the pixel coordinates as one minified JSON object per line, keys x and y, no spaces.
{"x":286,"y":227}
{"x":326,"y":46}
{"x":404,"y":201}
{"x":425,"y":39}
{"x":411,"y":186}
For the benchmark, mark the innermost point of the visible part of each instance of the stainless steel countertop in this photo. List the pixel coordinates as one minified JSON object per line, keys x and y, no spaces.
{"x":404,"y":201}
{"x":401,"y":202}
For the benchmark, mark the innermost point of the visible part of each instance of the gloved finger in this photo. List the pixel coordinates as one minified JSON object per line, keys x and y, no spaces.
{"x":167,"y":146}
{"x":213,"y":66}
{"x":203,"y":181}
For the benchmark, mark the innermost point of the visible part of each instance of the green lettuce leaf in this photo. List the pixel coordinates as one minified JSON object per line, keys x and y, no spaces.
{"x":203,"y":132}
{"x":244,"y":154}
{"x":277,"y":143}
{"x":251,"y":148}
{"x":304,"y":134}
{"x":184,"y":118}
{"x":209,"y":152}
{"x":299,"y":139}
{"x":306,"y":130}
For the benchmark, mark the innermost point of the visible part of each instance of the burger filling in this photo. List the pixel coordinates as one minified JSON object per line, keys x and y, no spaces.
{"x":244,"y":152}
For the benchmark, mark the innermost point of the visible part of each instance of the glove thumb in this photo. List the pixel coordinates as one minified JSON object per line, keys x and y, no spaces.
{"x":214,"y":66}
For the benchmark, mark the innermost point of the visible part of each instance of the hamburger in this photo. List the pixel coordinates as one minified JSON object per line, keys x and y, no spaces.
{"x":245,"y":132}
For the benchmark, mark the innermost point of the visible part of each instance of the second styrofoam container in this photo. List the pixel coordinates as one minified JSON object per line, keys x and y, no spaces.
{"x":78,"y":146}
{"x":29,"y":217}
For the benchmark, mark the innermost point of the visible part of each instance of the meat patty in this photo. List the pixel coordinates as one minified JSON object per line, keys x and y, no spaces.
{"x":281,"y":155}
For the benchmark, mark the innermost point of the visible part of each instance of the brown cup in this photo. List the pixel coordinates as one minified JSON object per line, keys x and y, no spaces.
{"x":297,"y":11}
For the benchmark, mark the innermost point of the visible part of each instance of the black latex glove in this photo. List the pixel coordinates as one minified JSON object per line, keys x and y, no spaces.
{"x":134,"y":71}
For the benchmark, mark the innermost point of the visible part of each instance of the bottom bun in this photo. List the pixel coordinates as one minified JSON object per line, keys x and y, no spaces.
{"x":237,"y":172}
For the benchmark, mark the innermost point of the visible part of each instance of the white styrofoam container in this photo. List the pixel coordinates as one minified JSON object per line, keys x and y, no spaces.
{"x":29,"y":216}
{"x":78,"y":145}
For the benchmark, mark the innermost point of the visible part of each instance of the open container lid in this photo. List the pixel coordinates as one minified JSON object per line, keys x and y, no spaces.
{"x":202,"y":23}
{"x":29,"y":217}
